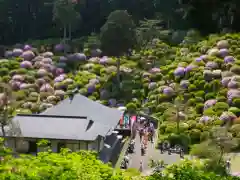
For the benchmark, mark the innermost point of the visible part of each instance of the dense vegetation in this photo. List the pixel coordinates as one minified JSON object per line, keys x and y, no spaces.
{"x":188,"y":82}
{"x":27,"y":19}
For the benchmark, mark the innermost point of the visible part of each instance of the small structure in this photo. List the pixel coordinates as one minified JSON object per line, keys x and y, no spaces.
{"x":76,"y":123}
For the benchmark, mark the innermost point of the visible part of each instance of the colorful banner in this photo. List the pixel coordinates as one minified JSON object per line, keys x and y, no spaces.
{"x":126,"y":120}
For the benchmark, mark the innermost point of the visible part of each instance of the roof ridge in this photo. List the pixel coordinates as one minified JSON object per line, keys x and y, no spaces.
{"x":51,"y":116}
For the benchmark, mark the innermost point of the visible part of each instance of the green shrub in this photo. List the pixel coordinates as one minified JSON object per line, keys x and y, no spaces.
{"x":181,"y":139}
{"x":83,"y":91}
{"x":199,"y":100}
{"x":195,"y":134}
{"x":209,"y":112}
{"x":204,"y":136}
{"x":6,"y":79}
{"x":235,"y":69}
{"x":192,"y":124}
{"x":204,"y":150}
{"x":131,"y":107}
{"x":92,"y":98}
{"x":199,"y":94}
{"x":235,"y":130}
{"x":234,"y":110}
{"x":210,"y":96}
{"x":170,"y":129}
{"x":19,"y":95}
{"x":223,"y":92}
{"x":192,"y":87}
{"x":191,"y":102}
{"x":221,"y":106}
{"x":21,"y":71}
{"x":221,"y":99}
{"x":4,"y":71}
{"x":236,"y":102}
{"x":199,"y":108}
{"x":162,"y":128}
{"x":218,"y":122}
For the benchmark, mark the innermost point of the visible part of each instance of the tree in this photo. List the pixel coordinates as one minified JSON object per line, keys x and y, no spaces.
{"x":64,"y":11}
{"x":148,"y":30}
{"x":179,"y":109}
{"x":118,"y":35}
{"x":6,"y":109}
{"x":223,"y":140}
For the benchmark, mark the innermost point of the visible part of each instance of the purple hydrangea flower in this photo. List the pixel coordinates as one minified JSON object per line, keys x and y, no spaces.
{"x":18,"y":78}
{"x":211,"y":65}
{"x":152,"y":85}
{"x":59,"y":48}
{"x":205,"y":119}
{"x":103,"y":60}
{"x":63,"y":59}
{"x":210,"y":103}
{"x":199,"y":59}
{"x":112,"y":102}
{"x":168,"y":91}
{"x":77,"y":57}
{"x":90,"y":88}
{"x":155,"y":70}
{"x":223,"y":52}
{"x":184,"y":84}
{"x":225,"y":81}
{"x":27,"y":47}
{"x":8,"y":54}
{"x":227,"y":116}
{"x":233,"y":93}
{"x":190,"y":67}
{"x":46,"y":88}
{"x":59,"y":71}
{"x":59,"y":79}
{"x":17,"y":52}
{"x":222,"y":44}
{"x":47,"y":60}
{"x":204,"y":57}
{"x":229,"y":59}
{"x":15,"y":85}
{"x":26,"y":64}
{"x":40,"y":81}
{"x":42,"y":72}
{"x":94,"y":81}
{"x":233,"y":85}
{"x":28,"y":55}
{"x":180,"y":71}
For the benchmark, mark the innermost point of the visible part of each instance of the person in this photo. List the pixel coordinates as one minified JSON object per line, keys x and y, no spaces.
{"x":141,"y":166}
{"x":161,"y":147}
{"x":126,"y":158}
{"x":141,"y":133}
{"x":181,"y":153}
{"x":228,"y":164}
{"x":145,"y":140}
{"x":142,"y":149}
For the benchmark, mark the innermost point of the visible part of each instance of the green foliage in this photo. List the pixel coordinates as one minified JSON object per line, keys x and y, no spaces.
{"x":120,"y":29}
{"x":195,"y":169}
{"x":64,"y":165}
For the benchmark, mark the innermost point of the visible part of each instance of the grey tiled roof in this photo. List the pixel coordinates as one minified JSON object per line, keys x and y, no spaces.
{"x":82,"y":106}
{"x":68,"y":120}
{"x":55,"y":127}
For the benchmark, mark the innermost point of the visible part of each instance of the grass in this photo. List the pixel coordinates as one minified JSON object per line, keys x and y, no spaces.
{"x":126,"y":141}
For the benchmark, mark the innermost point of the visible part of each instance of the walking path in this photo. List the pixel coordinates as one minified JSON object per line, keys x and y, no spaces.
{"x":151,"y":153}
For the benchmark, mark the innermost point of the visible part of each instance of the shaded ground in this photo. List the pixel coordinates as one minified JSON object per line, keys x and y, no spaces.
{"x":152,"y":153}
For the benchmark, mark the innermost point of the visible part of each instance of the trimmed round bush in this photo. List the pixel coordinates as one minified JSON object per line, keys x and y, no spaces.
{"x":131,"y":107}
{"x":235,"y":69}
